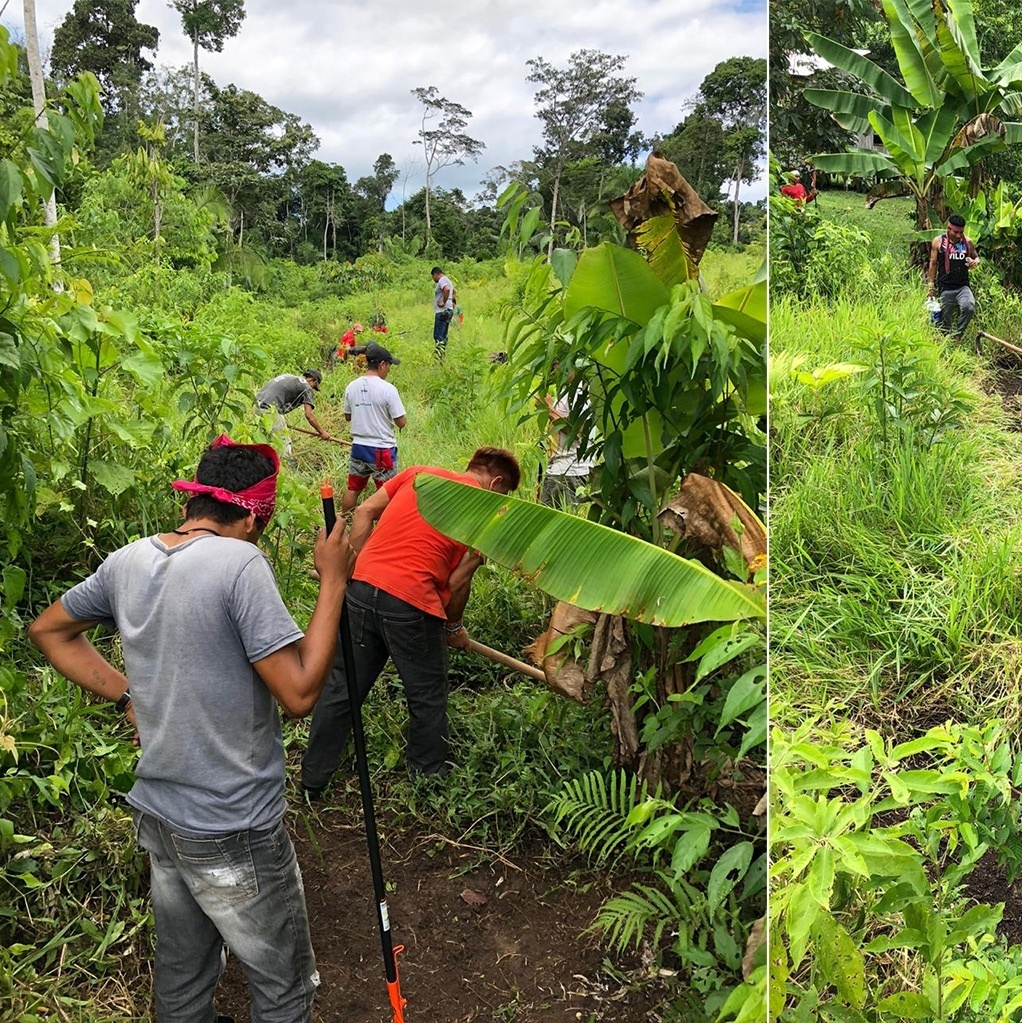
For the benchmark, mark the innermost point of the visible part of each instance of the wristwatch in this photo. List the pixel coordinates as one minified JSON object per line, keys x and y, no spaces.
{"x":123,"y":700}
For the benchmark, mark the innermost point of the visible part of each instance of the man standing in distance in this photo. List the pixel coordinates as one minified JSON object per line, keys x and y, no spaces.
{"x":952,"y":256}
{"x":285,"y":393}
{"x":405,"y":601}
{"x":443,"y":311}
{"x":373,"y":407}
{"x":210,"y":650}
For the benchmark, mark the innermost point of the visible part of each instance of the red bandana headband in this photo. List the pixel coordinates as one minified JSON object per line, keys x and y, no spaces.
{"x":260,"y":498}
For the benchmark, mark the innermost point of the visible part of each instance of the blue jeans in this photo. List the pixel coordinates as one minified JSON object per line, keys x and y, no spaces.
{"x":441,"y":325}
{"x":960,"y":300}
{"x":383,"y":626}
{"x":243,"y":890}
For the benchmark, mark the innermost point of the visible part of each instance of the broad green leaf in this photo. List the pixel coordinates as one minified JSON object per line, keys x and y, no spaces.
{"x":745,"y":310}
{"x":14,"y":584}
{"x":907,"y":1005}
{"x":146,"y":368}
{"x":839,"y":960}
{"x":856,"y":162}
{"x":666,"y":251}
{"x":11,"y":187}
{"x":727,"y":872}
{"x":910,"y":59}
{"x":617,"y":280}
{"x":582,"y":562}
{"x":563,"y":262}
{"x":110,"y":476}
{"x":849,"y":109}
{"x":691,"y":847}
{"x":857,"y":65}
{"x":745,"y":694}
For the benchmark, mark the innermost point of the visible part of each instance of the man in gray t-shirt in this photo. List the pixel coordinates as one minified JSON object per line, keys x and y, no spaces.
{"x":210,"y":650}
{"x":287,"y":392}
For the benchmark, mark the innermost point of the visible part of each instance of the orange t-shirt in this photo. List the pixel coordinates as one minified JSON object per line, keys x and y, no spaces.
{"x":404,"y":554}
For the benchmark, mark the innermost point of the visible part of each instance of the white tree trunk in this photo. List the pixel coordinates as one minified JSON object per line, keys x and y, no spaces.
{"x":553,"y":214}
{"x":195,"y":96}
{"x":738,"y":184}
{"x":35,"y":74}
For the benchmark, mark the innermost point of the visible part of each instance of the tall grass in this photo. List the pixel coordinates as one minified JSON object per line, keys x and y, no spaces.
{"x":894,"y":592}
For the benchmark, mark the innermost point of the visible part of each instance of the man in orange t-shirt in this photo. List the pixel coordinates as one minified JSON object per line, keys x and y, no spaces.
{"x":404,"y":601}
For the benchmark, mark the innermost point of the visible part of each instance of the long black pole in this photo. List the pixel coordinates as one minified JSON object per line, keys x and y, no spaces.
{"x":390,"y":953}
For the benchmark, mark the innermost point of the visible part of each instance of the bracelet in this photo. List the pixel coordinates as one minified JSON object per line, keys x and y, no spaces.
{"x":123,"y":701}
{"x":453,"y":628}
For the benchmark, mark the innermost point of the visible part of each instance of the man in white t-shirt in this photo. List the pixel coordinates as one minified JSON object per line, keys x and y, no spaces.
{"x":373,"y":407}
{"x":443,"y":310}
{"x":566,"y":469}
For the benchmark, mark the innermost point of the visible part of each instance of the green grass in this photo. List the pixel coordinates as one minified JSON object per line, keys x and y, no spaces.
{"x":895,"y":589}
{"x":887,"y":223}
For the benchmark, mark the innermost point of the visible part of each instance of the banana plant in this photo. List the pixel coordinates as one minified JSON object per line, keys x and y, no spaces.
{"x":571,"y":558}
{"x":946,"y":115}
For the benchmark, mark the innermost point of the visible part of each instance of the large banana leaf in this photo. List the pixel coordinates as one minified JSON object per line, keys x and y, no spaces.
{"x":857,"y":162}
{"x":746,"y":309}
{"x":849,"y":109}
{"x":582,"y":562}
{"x":665,"y":249}
{"x":911,"y":62}
{"x":865,"y":70}
{"x":938,"y":128}
{"x":962,"y":27}
{"x":618,"y":280}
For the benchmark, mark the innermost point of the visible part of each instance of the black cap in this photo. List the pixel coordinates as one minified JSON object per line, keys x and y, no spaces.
{"x":314,"y":375}
{"x":377,"y":353}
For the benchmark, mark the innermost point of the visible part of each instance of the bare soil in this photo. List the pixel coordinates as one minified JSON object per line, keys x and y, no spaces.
{"x":487,"y":939}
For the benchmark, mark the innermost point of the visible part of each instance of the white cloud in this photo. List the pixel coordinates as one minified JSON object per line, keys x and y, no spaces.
{"x":347,"y":67}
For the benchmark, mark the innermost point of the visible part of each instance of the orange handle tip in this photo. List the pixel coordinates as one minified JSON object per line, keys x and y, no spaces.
{"x":326,"y":490}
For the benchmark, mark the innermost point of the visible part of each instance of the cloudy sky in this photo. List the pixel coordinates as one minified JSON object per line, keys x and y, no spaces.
{"x":347,"y":67}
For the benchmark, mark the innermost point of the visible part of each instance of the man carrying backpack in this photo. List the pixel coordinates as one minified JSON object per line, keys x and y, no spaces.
{"x":952,"y":256}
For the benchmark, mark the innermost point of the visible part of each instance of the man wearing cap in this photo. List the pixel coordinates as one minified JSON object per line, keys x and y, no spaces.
{"x":210,"y":651}
{"x":373,"y":407}
{"x":794,"y":189}
{"x":285,"y":393}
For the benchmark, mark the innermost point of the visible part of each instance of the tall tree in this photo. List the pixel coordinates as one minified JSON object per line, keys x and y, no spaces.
{"x":734,"y":92}
{"x":35,"y":74}
{"x":696,"y":147}
{"x":209,"y":24}
{"x":375,"y":188}
{"x":576,"y":104}
{"x":251,"y":146}
{"x":104,"y":37}
{"x":445,"y":143}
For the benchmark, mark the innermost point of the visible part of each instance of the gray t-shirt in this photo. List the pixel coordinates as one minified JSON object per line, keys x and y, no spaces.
{"x":286,"y":392}
{"x":192,"y":619}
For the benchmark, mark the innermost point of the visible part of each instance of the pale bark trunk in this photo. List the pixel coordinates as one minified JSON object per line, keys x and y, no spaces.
{"x":429,"y":224}
{"x":195,"y":96}
{"x":553,"y":214}
{"x":35,"y":74}
{"x":738,"y":185}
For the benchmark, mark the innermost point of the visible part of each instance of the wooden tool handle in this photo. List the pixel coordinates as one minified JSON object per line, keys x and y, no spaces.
{"x":507,"y":660}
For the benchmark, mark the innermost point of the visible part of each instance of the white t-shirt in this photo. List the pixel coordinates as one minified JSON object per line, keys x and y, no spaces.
{"x":373,"y":405}
{"x":566,"y":461}
{"x":438,"y":294}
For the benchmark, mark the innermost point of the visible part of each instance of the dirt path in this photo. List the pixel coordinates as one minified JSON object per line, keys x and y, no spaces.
{"x":487,"y":940}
